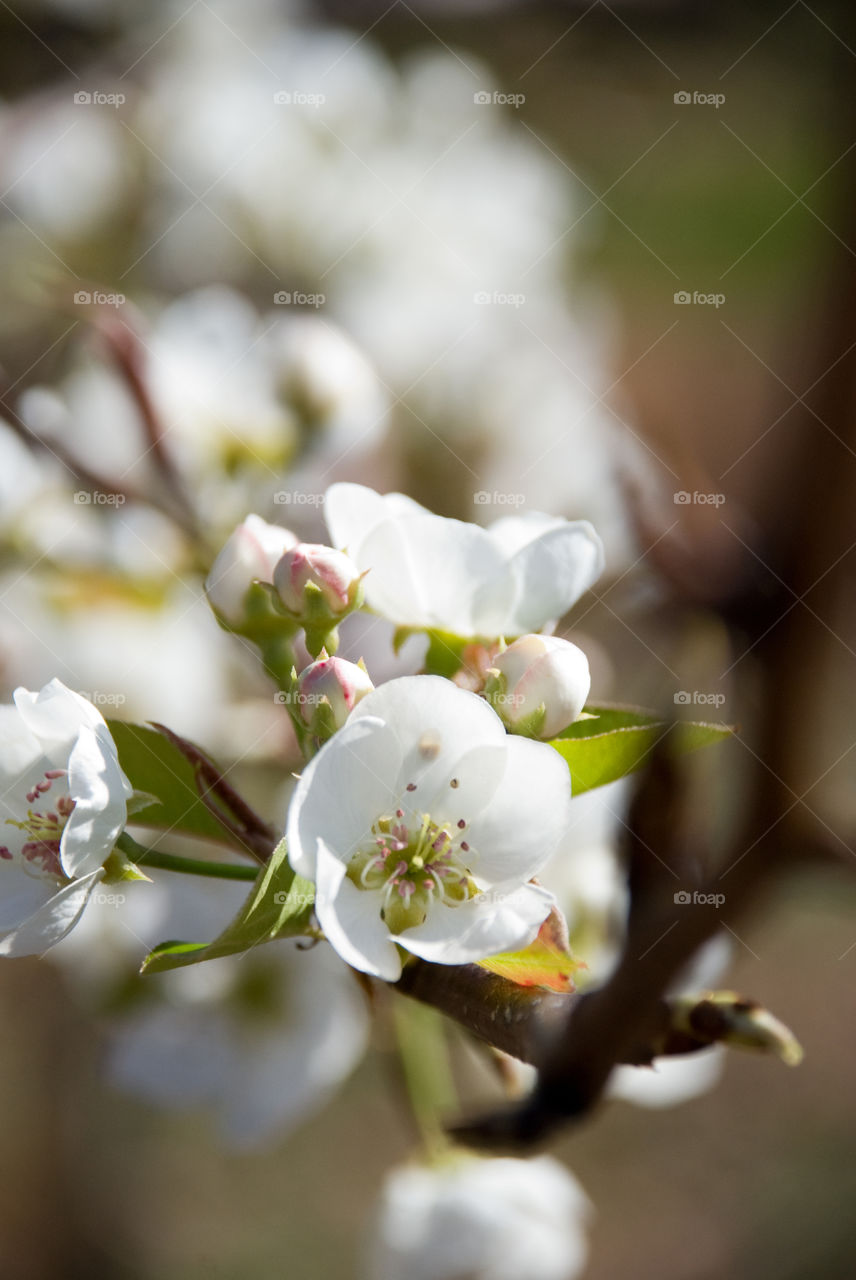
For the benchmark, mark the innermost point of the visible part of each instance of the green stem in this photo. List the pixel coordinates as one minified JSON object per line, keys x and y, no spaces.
{"x":278,"y":658}
{"x":144,"y":857}
{"x":427,"y":1075}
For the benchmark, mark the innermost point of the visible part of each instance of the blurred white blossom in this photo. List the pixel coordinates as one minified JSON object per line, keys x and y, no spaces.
{"x":262,"y":1041}
{"x":480,"y":1219}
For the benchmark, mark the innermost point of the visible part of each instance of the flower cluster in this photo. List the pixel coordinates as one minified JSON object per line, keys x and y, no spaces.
{"x":426,"y":810}
{"x":421,"y":820}
{"x":426,"y":813}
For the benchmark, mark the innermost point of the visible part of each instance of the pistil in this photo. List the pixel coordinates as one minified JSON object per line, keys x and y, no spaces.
{"x":413,"y":862}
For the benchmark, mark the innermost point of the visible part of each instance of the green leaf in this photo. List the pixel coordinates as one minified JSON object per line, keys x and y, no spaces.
{"x":614,"y":741}
{"x":119,"y":867}
{"x":279,"y":906}
{"x":155,"y":766}
{"x":547,"y":961}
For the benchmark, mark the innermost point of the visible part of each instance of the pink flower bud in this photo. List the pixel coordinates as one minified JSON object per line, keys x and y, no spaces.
{"x":331,"y":682}
{"x":540,"y":671}
{"x":309,"y":576}
{"x":250,"y":554}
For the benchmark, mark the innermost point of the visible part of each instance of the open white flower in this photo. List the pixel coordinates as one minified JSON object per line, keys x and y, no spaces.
{"x":433,"y":573}
{"x":421,"y":822}
{"x":497,"y":1219}
{"x":63,"y":806}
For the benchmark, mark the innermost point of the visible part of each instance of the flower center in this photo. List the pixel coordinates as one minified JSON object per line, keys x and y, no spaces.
{"x":414,"y":862}
{"x":44,"y":830}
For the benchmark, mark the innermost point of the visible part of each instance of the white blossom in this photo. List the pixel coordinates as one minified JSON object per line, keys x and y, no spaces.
{"x":484,"y":1219}
{"x":421,"y":822}
{"x":64,"y":805}
{"x":249,"y":555}
{"x":261,"y":1041}
{"x":428,"y":572}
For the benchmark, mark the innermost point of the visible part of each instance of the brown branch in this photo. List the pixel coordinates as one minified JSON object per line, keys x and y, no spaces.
{"x":76,"y":469}
{"x":601,"y":1028}
{"x":525,"y":1021}
{"x":127,"y":351}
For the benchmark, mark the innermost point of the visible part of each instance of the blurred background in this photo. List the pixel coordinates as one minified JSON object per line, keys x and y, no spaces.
{"x":592,"y":259}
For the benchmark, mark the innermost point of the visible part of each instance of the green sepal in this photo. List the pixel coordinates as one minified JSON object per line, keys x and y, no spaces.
{"x":119,"y":867}
{"x":264,"y":616}
{"x":445,"y":653}
{"x":323,"y":724}
{"x":139,"y":801}
{"x":528,"y":726}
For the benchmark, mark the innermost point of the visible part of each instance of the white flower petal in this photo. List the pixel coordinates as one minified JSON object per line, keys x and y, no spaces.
{"x":513,"y":532}
{"x":99,"y":787}
{"x":429,"y":572}
{"x":51,"y":921}
{"x":435,"y":723}
{"x":395,"y":584}
{"x":521,"y":828}
{"x":350,"y":917}
{"x":352,"y":511}
{"x":22,"y":763}
{"x":55,"y":715}
{"x":251,"y":552}
{"x":288,"y":1070}
{"x":20,"y":749}
{"x":551,"y":573}
{"x":486,"y":1219}
{"x":668,"y":1082}
{"x":263,"y":1075}
{"x":22,"y":892}
{"x":483,"y":926}
{"x":342,"y":791}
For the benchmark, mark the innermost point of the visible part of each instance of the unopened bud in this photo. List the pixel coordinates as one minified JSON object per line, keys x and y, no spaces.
{"x":539,"y":685}
{"x":327,"y":692}
{"x":317,"y":584}
{"x":250,"y":555}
